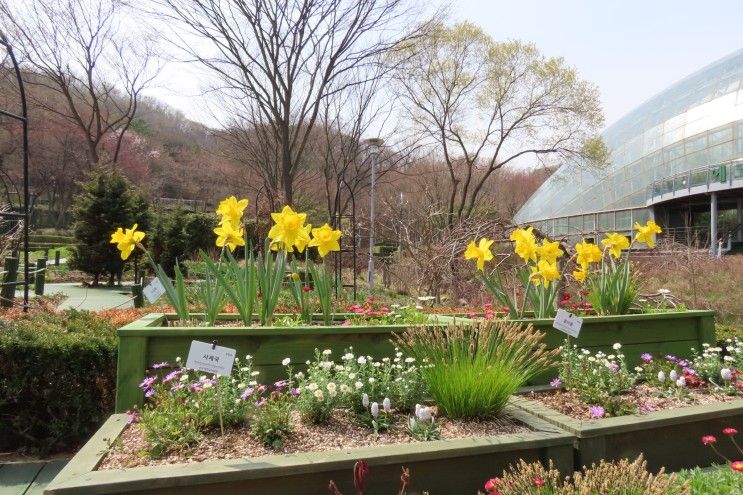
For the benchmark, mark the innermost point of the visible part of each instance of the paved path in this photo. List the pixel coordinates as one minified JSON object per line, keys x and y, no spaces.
{"x":92,"y":299}
{"x":30,"y":478}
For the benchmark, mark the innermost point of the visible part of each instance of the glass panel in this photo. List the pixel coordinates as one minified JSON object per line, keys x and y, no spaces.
{"x":640,"y":216}
{"x":721,"y":152}
{"x":699,"y":178}
{"x":589,"y":220}
{"x":606,"y":221}
{"x":575,"y":224}
{"x":561,"y":226}
{"x":695,"y":144}
{"x":720,"y":135}
{"x":738,"y":171}
{"x":623,"y":220}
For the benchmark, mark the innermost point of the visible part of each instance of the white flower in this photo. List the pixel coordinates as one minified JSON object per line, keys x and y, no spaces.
{"x":299,"y":375}
{"x":208,"y":385}
{"x":248,"y":357}
{"x":409,"y":359}
{"x":385,"y":360}
{"x":255,"y":373}
{"x":240,"y":385}
{"x":327,"y":352}
{"x":638,"y":369}
{"x":365,"y":400}
{"x":351,"y":376}
{"x":398,"y":354}
{"x":616,"y":346}
{"x":326,"y":364}
{"x":361,"y":360}
{"x":591,"y":358}
{"x":237,"y":401}
{"x":371,"y":379}
{"x":386,"y":404}
{"x":728,"y":358}
{"x":681,"y":382}
{"x":347,"y":356}
{"x":178,"y":359}
{"x":673,"y":375}
{"x":318,"y":393}
{"x":661,"y":376}
{"x":312,"y":386}
{"x":375,"y":409}
{"x":417,"y":409}
{"x":358,"y":385}
{"x":585,"y":351}
{"x":611,"y":356}
{"x":345,"y":388}
{"x":184,"y":378}
{"x":376,"y":364}
{"x":286,"y":362}
{"x":244,"y":369}
{"x":726,"y":374}
{"x":331,"y":387}
{"x":252,"y":383}
{"x":707,"y":345}
{"x":339,"y":367}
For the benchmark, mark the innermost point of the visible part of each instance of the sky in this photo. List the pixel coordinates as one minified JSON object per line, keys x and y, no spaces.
{"x":630,"y":49}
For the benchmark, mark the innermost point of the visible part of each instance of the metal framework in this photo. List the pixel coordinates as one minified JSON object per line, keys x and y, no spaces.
{"x":23,"y":215}
{"x":337,"y":222}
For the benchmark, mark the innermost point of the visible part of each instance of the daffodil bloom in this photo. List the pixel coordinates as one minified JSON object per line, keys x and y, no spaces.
{"x":645,"y":233}
{"x":587,"y":253}
{"x":481,"y":253}
{"x":126,"y":240}
{"x":229,"y":235}
{"x":526,"y":244}
{"x":325,"y":239}
{"x":580,"y":275}
{"x":544,"y":272}
{"x":231,"y":210}
{"x":289,"y":229}
{"x":550,"y":251}
{"x":296,"y":277}
{"x":615,"y":243}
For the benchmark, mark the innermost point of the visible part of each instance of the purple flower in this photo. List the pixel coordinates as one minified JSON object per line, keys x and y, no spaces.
{"x":646,"y":356}
{"x":147,"y":382}
{"x":689,"y":371}
{"x":281,"y":384}
{"x":172,"y":376}
{"x":671,"y":357}
{"x":614,"y":367}
{"x":294,"y":392}
{"x":260,"y":389}
{"x":555,"y":383}
{"x":176,"y":387}
{"x":596,"y":412}
{"x":683,"y":363}
{"x":134,"y":417}
{"x":261,"y":402}
{"x":195,"y":387}
{"x":248,"y":392}
{"x":160,"y":365}
{"x":149,"y":393}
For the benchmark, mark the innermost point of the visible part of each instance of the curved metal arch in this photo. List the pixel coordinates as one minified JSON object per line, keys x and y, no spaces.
{"x":23,"y":118}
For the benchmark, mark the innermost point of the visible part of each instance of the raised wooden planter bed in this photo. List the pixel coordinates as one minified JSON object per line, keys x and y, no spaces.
{"x":148,"y":340}
{"x":441,"y":467}
{"x":669,"y":439}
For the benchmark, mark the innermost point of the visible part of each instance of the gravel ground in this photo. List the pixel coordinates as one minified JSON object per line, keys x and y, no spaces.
{"x":340,"y":433}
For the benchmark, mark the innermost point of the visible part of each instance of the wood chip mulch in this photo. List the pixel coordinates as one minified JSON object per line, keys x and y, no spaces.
{"x":645,"y":398}
{"x":340,"y":433}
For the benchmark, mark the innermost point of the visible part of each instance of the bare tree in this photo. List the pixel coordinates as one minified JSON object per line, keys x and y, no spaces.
{"x":282,"y":58}
{"x":484,"y":104}
{"x":81,"y":51}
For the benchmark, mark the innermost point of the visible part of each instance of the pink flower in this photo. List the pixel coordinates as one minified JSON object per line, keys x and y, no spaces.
{"x":384,"y":309}
{"x":346,"y":323}
{"x":708,"y":439}
{"x":358,"y":311}
{"x":737,"y":466}
{"x":491,"y":484}
{"x":538,"y":481}
{"x":729,"y":431}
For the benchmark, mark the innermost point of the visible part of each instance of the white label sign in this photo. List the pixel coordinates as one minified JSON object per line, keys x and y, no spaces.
{"x":154,"y":290}
{"x":210,"y":358}
{"x":567,"y":322}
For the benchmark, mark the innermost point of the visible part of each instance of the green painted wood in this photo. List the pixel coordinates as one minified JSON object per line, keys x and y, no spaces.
{"x":45,"y":476}
{"x":667,"y":439}
{"x":445,"y":466}
{"x":16,"y":478}
{"x":130,"y":368}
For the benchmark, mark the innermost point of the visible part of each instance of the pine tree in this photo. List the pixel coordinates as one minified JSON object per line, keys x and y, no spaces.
{"x":107,"y":201}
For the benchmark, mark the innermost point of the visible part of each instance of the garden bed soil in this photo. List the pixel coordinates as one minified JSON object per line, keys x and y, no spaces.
{"x":644,"y":397}
{"x":341,"y":432}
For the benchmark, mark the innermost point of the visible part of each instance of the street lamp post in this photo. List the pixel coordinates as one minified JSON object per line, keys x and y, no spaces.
{"x":374,"y":145}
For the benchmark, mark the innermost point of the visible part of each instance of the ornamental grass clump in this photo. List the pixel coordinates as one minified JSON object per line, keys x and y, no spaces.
{"x":472,"y":369}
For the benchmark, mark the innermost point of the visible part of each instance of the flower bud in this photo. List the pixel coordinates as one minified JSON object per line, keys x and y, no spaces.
{"x":726,"y":374}
{"x":365,"y":400}
{"x":661,"y":376}
{"x":375,"y":409}
{"x":673,"y":375}
{"x":386,"y":405}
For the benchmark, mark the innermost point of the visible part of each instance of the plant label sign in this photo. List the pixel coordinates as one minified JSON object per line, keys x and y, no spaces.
{"x":210,"y":358}
{"x":567,"y":322}
{"x":153,"y":290}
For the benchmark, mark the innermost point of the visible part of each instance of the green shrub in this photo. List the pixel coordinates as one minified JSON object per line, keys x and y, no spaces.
{"x":717,"y":480}
{"x":57,"y":380}
{"x":474,"y":369}
{"x":179,"y":234}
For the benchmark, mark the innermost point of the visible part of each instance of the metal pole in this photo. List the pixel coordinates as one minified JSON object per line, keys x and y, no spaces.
{"x":713,"y":224}
{"x":375,"y":144}
{"x":739,"y":235}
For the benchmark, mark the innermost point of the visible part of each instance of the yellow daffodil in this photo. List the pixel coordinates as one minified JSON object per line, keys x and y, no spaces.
{"x":580,"y":275}
{"x":550,"y":251}
{"x":229,"y":235}
{"x":289,"y":229}
{"x":526,"y":244}
{"x":325,"y":239}
{"x":296,"y":277}
{"x":544,"y":272}
{"x":231,"y":210}
{"x":304,"y":238}
{"x":645,"y":233}
{"x":615,"y":243}
{"x":481,"y":253}
{"x":587,"y":253}
{"x":126,"y":240}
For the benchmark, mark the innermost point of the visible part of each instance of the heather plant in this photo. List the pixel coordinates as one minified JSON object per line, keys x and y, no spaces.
{"x":472,"y":369}
{"x":607,"y":478}
{"x":597,"y":379}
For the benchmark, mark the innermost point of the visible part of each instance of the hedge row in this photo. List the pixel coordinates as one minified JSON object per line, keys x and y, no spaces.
{"x":57,"y":380}
{"x":59,"y":240}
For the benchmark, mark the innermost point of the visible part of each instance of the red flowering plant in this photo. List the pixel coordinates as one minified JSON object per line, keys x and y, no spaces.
{"x":374,"y":312}
{"x":576,"y":304}
{"x":730,"y":432}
